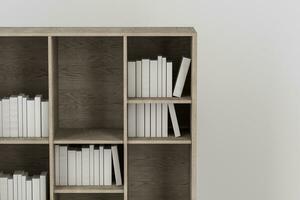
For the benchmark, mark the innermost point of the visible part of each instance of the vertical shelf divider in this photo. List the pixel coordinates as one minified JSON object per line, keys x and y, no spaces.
{"x":125,"y":117}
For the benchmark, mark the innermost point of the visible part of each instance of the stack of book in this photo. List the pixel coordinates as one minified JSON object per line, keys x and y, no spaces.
{"x":20,"y":186}
{"x":153,"y":78}
{"x":89,"y":165}
{"x":21,"y":116}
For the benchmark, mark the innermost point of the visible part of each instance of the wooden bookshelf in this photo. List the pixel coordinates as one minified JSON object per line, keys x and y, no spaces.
{"x":83,"y":73}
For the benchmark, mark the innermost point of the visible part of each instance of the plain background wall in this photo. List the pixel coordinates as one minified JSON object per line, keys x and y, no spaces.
{"x":248,"y":82}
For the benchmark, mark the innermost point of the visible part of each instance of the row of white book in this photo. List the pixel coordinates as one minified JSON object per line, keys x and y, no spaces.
{"x":21,"y":116}
{"x":154,"y":78}
{"x":89,"y":165}
{"x":20,"y":186}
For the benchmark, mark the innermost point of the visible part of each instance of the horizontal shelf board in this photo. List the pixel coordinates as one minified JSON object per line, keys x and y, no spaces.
{"x":88,"y":136}
{"x":89,"y":189}
{"x":24,"y":140}
{"x":176,"y":100}
{"x":168,"y":140}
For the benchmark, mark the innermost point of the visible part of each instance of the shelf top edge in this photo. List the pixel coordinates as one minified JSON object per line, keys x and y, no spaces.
{"x":96,"y":31}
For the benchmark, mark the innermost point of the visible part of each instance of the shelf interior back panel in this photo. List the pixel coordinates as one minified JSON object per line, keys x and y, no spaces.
{"x":90,"y":82}
{"x":89,"y":196}
{"x":160,"y":172}
{"x":173,"y":48}
{"x":24,"y":66}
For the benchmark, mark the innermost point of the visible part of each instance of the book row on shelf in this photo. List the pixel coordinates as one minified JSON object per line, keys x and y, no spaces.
{"x":88,"y":165}
{"x":153,"y":78}
{"x":20,"y":186}
{"x":21,"y":116}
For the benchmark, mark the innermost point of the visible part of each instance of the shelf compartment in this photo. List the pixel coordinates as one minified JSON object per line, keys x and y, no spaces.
{"x":89,"y":189}
{"x":184,"y":139}
{"x":159,"y":172}
{"x":88,"y":136}
{"x":24,"y":141}
{"x":175,"y":100}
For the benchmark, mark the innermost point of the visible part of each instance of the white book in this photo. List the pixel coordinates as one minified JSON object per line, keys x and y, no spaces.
{"x":20,"y":115}
{"x":78,"y":168}
{"x":131,"y":112}
{"x":24,"y":117}
{"x":20,"y":196}
{"x":145,"y":78}
{"x":116,"y":163}
{"x":147,"y":120}
{"x":71,"y":167}
{"x":131,"y":79}
{"x":57,"y":157}
{"x":158,"y":120}
{"x":92,"y":182}
{"x":43,"y":185}
{"x":37,"y":116}
{"x":107,"y":167}
{"x":3,"y":187}
{"x":153,"y":120}
{"x":164,"y":78}
{"x":13,"y":116}
{"x":183,"y":71}
{"x":138,"y":78}
{"x":15,"y":182}
{"x":169,"y":79}
{"x":29,"y":189}
{"x":101,"y":163}
{"x":159,"y":76}
{"x":5,"y":117}
{"x":153,"y":78}
{"x":164,"y":120}
{"x":45,"y":112}
{"x":85,"y":166}
{"x":36,"y":190}
{"x":1,"y":121}
{"x":30,"y":118}
{"x":23,"y":178}
{"x":140,"y":120}
{"x":63,"y":165}
{"x":96,"y":167}
{"x":10,"y":188}
{"x":174,"y":120}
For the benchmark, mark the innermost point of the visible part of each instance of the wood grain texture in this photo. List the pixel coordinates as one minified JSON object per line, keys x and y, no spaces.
{"x":175,"y":100}
{"x":184,"y":139}
{"x":24,"y":141}
{"x":173,"y":48}
{"x":89,"y":189}
{"x":160,"y":172}
{"x":89,"y":196}
{"x":23,"y":65}
{"x":125,"y":87}
{"x":90,"y":82}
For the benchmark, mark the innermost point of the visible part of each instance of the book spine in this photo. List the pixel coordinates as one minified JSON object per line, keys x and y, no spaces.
{"x":25,"y":134}
{"x":92,"y":165}
{"x":96,"y":167}
{"x":13,"y":117}
{"x":85,"y":166}
{"x":63,"y":165}
{"x":20,"y":115}
{"x":45,"y":125}
{"x":159,"y":120}
{"x":107,"y":167}
{"x":174,"y":120}
{"x":147,"y":120}
{"x":10,"y":189}
{"x":169,"y":79}
{"x":159,"y":94}
{"x":101,"y":162}
{"x":43,"y":186}
{"x":23,"y":178}
{"x":20,"y":185}
{"x":153,"y":93}
{"x":57,"y":165}
{"x":138,"y":78}
{"x":78,"y":168}
{"x":164,"y":120}
{"x":30,"y":118}
{"x":140,"y":108}
{"x":181,"y":78}
{"x":131,"y":79}
{"x":28,"y":189}
{"x":71,"y":167}
{"x":164,"y":77}
{"x":36,"y":191}
{"x":153,"y":120}
{"x":3,"y":187}
{"x":145,"y":78}
{"x":37,"y":116}
{"x":116,"y":163}
{"x":15,"y":182}
{"x":131,"y":120}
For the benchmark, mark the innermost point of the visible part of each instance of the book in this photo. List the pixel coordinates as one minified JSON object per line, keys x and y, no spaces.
{"x":147,"y":120}
{"x":85,"y":166}
{"x":71,"y":167}
{"x":19,"y":182}
{"x":164,"y":77}
{"x":169,"y":79}
{"x":13,"y":116}
{"x":174,"y":120}
{"x":159,"y":94}
{"x":159,"y":120}
{"x":36,"y":190}
{"x":29,"y":189}
{"x":159,"y":76}
{"x":25,"y":134}
{"x":44,"y":121}
{"x":145,"y":78}
{"x":5,"y":117}
{"x":153,"y":120}
{"x":37,"y":116}
{"x":101,"y":163}
{"x":182,"y":74}
{"x":63,"y":165}
{"x":23,"y":185}
{"x":43,"y":185}
{"x":15,"y":183}
{"x":138,"y":78}
{"x":20,"y":115}
{"x":131,"y":112}
{"x":57,"y":157}
{"x":131,"y":79}
{"x":164,"y":120}
{"x":30,"y":118}
{"x":1,"y":121}
{"x":153,"y":78}
{"x":116,"y":162}
{"x":3,"y":187}
{"x":92,"y":165}
{"x":78,"y":168}
{"x":10,"y":188}
{"x":107,"y":166}
{"x":96,"y":166}
{"x":140,"y":108}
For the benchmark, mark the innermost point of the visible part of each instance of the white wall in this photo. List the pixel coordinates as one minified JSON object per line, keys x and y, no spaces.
{"x":249,"y":82}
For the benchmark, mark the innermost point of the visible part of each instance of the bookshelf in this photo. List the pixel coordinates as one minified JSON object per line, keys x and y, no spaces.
{"x":83,"y":73}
